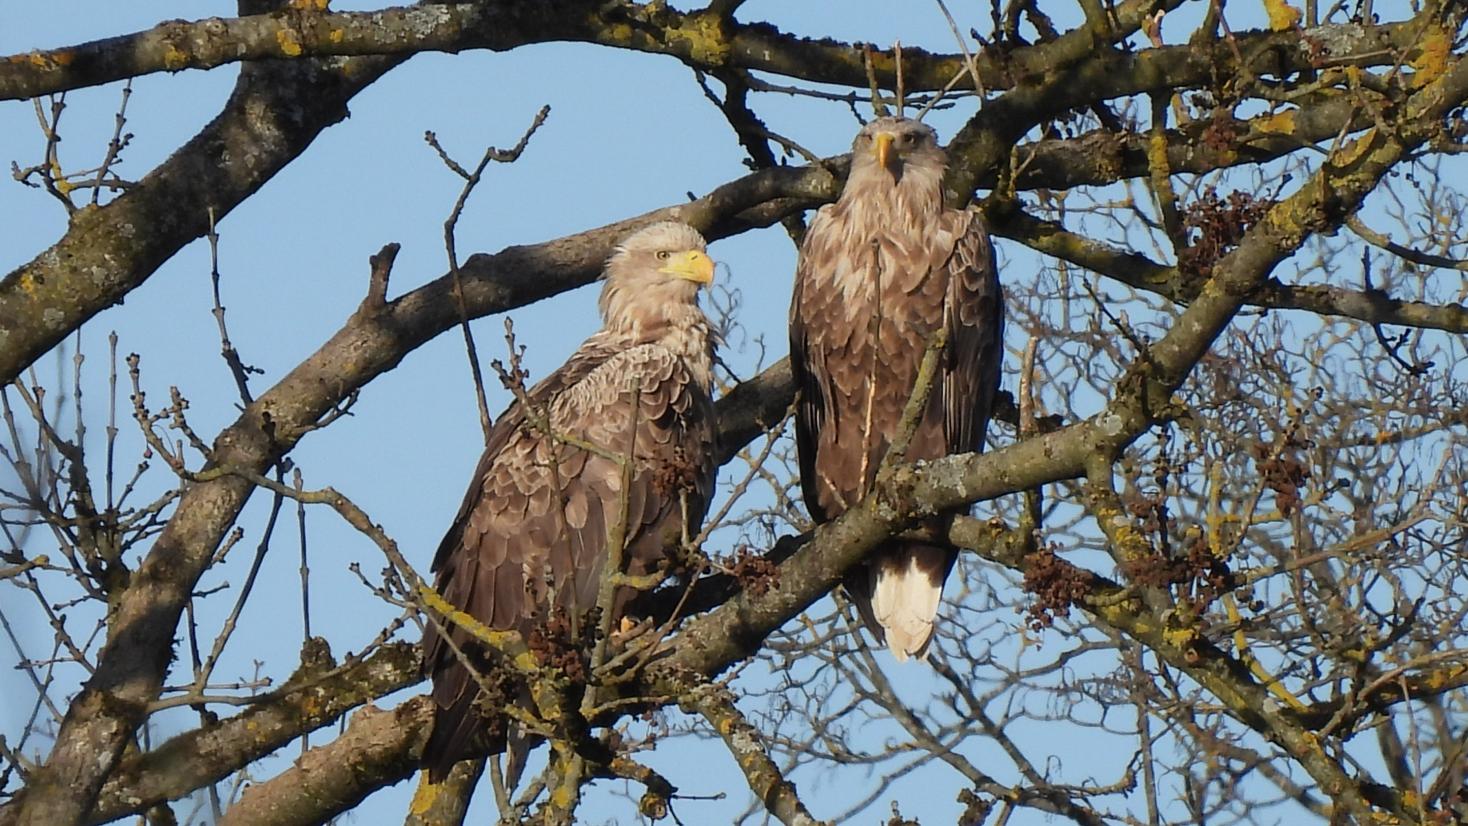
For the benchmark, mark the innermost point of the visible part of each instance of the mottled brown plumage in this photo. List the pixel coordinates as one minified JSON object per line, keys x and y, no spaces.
{"x":880,"y":271}
{"x":532,"y":532}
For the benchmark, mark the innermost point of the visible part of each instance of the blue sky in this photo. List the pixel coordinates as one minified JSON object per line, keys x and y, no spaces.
{"x":627,"y":133}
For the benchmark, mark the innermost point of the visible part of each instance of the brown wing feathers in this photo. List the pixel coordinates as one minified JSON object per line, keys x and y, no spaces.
{"x":879,"y":272}
{"x":536,"y":518}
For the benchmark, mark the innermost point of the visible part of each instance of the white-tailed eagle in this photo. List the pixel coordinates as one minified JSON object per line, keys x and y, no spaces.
{"x":880,"y":271}
{"x":533,"y":531}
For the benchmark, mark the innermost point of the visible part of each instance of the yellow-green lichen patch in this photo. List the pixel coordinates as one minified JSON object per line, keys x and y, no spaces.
{"x":1278,"y":123}
{"x":1282,"y":16}
{"x":424,"y":798}
{"x":174,"y":58}
{"x":1431,"y":59}
{"x":561,"y":798}
{"x":1354,"y":150}
{"x":290,"y":44}
{"x":706,"y":40}
{"x":28,"y":283}
{"x":48,"y":61}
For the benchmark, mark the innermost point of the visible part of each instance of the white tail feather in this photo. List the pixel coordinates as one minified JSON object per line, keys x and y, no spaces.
{"x":905,"y":602}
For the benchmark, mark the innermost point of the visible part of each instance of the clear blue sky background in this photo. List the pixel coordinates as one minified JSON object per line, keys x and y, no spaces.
{"x":627,"y":133}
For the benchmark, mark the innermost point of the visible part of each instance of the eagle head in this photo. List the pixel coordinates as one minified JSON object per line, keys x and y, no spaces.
{"x":892,"y":144}
{"x":653,"y":278}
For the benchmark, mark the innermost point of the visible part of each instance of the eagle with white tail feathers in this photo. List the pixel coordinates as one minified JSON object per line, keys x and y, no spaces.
{"x":881,"y":271}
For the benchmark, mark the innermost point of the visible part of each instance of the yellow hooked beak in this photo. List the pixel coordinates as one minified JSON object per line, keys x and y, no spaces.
{"x":883,"y":149}
{"x":692,"y":265}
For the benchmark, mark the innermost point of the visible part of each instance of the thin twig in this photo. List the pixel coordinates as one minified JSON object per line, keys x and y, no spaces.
{"x":117,"y":144}
{"x":471,"y":180}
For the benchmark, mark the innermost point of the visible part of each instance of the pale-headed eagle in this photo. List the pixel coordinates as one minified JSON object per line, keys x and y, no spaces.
{"x":533,"y":530}
{"x":880,"y":271}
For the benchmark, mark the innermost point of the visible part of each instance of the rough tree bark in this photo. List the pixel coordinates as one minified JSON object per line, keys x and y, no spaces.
{"x":1384,"y":96}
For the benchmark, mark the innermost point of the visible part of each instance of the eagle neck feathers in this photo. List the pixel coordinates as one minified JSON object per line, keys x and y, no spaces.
{"x":666,"y":317}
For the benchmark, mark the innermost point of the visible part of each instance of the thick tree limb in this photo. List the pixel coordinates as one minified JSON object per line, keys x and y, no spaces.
{"x":702,"y":38}
{"x":1102,"y":156}
{"x":754,"y":407}
{"x":1373,"y":307}
{"x":710,"y":643}
{"x":768,"y":783}
{"x":309,"y":701}
{"x":379,"y":748}
{"x":108,"y":251}
{"x":986,"y":143}
{"x":282,"y":35}
{"x":1139,"y":271}
{"x":992,"y":541}
{"x":270,"y":119}
{"x":103,"y":256}
{"x":132,"y":664}
{"x":446,"y":803}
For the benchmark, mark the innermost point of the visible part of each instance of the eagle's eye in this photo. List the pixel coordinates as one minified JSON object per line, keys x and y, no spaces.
{"x":663,"y":255}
